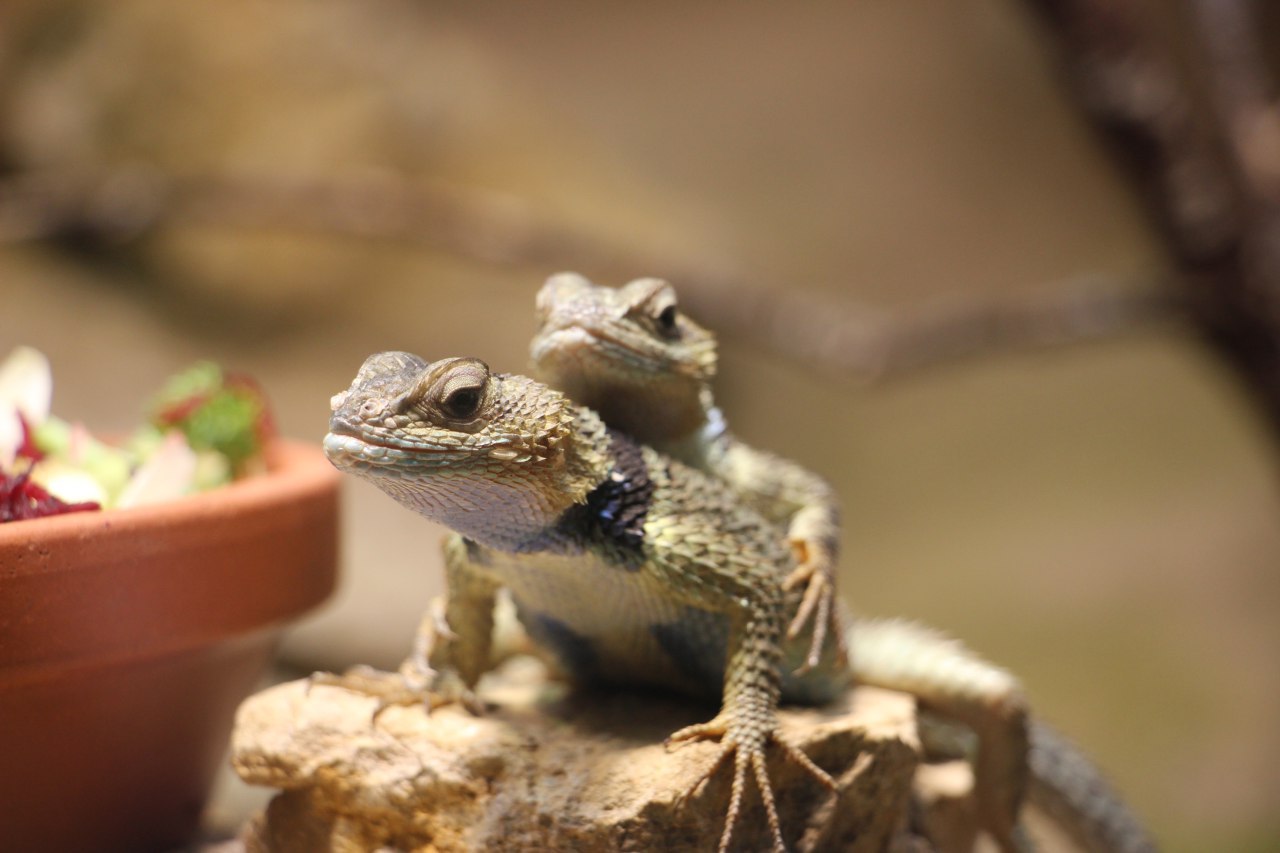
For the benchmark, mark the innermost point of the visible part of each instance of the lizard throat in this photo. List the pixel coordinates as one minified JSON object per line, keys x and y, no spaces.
{"x":510,"y":504}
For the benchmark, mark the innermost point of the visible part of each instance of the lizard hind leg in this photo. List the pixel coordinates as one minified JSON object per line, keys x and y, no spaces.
{"x":958,"y":684}
{"x":750,"y":763}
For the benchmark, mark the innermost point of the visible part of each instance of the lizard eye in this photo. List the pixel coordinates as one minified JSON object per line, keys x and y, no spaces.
{"x":666,"y":320}
{"x":454,"y":390}
{"x":461,"y":402}
{"x":651,"y":303}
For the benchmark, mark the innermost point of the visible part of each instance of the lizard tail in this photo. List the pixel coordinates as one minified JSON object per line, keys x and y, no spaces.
{"x":959,"y":686}
{"x":1067,"y":787}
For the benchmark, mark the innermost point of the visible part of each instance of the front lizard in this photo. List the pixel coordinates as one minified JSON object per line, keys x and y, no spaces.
{"x":623,"y":563}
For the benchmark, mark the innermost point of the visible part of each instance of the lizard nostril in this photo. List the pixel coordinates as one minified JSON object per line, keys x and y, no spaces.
{"x":369,"y":408}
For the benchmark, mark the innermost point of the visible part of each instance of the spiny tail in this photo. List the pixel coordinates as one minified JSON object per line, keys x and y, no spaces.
{"x":1068,"y":788}
{"x":959,"y":686}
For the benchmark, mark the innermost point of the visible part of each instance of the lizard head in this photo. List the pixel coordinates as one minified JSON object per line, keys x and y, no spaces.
{"x":493,"y":456}
{"x":627,"y":352}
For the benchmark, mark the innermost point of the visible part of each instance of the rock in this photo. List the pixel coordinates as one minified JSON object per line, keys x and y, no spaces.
{"x":550,"y":768}
{"x":947,"y":813}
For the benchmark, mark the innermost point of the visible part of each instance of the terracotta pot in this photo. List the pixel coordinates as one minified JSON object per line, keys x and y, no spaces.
{"x":128,"y":637}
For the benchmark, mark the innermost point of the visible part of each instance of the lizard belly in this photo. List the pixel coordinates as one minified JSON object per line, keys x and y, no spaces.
{"x":606,"y":624}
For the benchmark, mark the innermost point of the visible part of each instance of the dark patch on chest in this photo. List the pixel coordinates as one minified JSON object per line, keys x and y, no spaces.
{"x":574,"y":651}
{"x":697,"y":644}
{"x":614,"y":512}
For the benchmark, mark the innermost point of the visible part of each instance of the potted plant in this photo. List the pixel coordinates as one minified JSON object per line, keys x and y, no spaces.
{"x":128,"y":635}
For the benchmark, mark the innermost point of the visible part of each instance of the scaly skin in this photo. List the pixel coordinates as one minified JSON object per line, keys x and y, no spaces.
{"x":624,"y":563}
{"x":646,"y":368}
{"x":621,"y":561}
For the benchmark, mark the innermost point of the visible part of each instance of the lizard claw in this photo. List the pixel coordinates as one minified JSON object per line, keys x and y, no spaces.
{"x":388,"y":688}
{"x":817,"y":605}
{"x":404,"y":688}
{"x":749,"y":763}
{"x":416,"y":682}
{"x":359,"y":678}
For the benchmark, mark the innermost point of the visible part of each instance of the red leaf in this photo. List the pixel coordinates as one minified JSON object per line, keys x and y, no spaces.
{"x":21,"y":499}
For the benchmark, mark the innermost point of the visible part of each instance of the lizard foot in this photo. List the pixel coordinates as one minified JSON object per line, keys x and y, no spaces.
{"x":407,"y":687}
{"x":749,"y":762}
{"x":817,"y":604}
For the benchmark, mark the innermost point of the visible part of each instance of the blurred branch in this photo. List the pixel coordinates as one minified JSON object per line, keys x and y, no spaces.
{"x":1242,"y":97}
{"x":126,"y":205}
{"x":874,"y":345}
{"x":1209,"y":175}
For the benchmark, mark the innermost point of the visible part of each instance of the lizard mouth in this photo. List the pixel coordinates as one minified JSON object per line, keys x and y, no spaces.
{"x":345,"y":450}
{"x":568,"y":342}
{"x":344,"y":446}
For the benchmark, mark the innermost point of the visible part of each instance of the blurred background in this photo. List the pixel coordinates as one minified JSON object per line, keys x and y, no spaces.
{"x":932,"y":280}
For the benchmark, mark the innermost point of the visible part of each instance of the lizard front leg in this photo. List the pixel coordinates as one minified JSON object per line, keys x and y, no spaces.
{"x":806,"y":503}
{"x":454,"y":646}
{"x":747,"y":722}
{"x":812,"y":535}
{"x":451,"y":649}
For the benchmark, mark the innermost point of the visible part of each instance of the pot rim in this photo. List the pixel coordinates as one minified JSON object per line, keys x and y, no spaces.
{"x":293,"y":468}
{"x":97,"y":588}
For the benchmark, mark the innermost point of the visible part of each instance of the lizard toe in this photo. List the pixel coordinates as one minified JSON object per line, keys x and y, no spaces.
{"x":750,"y":765}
